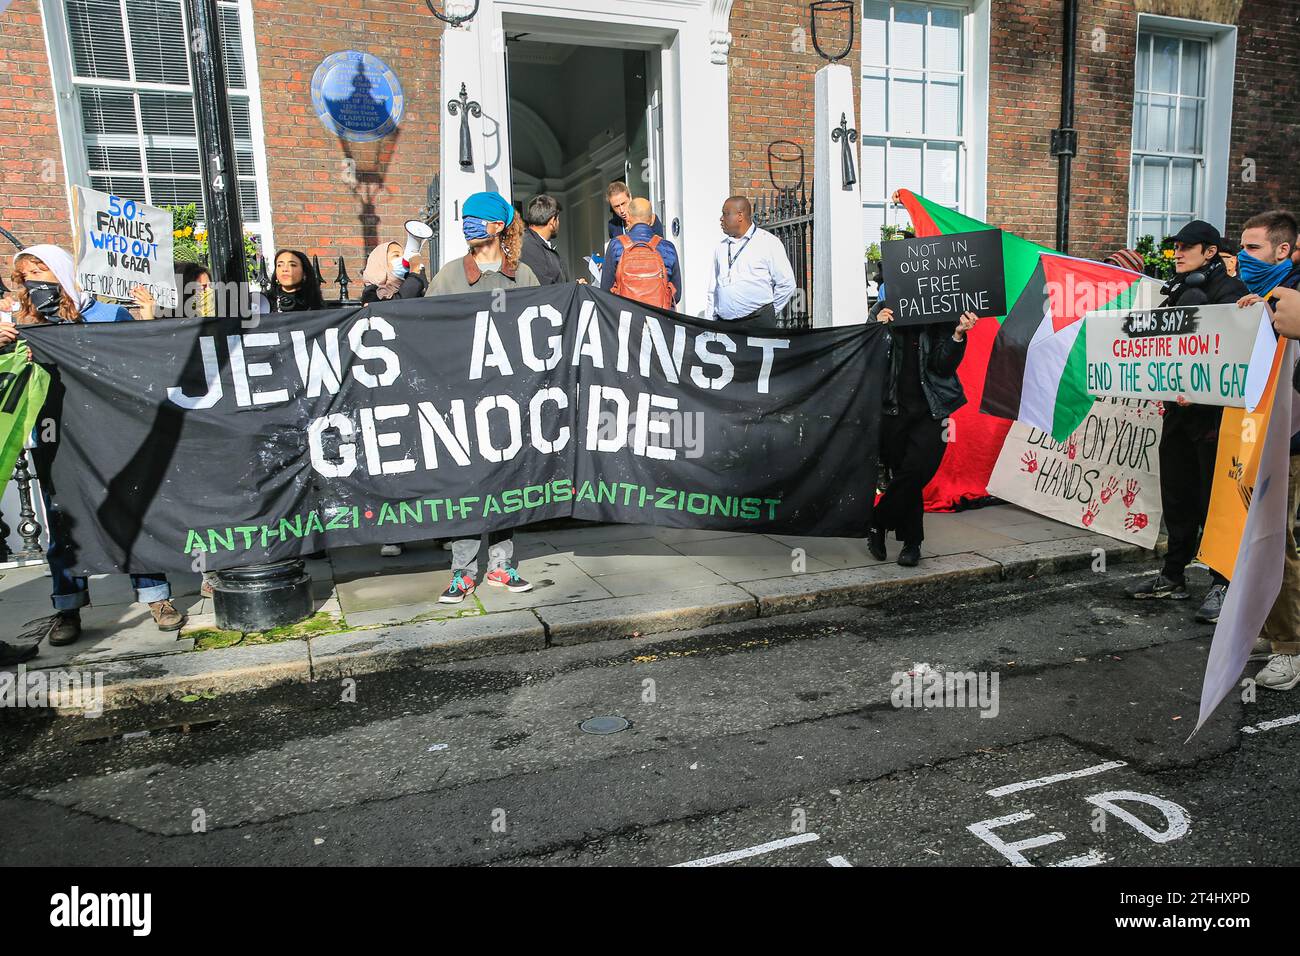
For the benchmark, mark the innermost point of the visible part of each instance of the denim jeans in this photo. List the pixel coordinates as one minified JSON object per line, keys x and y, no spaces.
{"x":72,"y":591}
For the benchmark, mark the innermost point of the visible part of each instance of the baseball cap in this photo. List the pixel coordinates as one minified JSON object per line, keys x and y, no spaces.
{"x":1199,"y":232}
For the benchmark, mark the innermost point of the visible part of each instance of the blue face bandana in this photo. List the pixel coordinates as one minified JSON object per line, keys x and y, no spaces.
{"x":474,"y":228}
{"x":1259,"y":276}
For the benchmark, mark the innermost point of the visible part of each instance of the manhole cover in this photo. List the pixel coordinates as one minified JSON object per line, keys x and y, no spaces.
{"x":603,"y":725}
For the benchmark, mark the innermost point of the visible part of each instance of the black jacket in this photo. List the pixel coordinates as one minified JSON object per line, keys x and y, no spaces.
{"x":412,"y":287}
{"x":543,"y":260}
{"x":1201,"y":422}
{"x":939,"y":357}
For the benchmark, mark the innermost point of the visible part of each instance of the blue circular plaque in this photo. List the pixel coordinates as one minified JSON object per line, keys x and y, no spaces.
{"x":357,"y":96}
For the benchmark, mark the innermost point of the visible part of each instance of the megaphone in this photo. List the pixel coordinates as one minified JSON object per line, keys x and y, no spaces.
{"x":418,"y":232}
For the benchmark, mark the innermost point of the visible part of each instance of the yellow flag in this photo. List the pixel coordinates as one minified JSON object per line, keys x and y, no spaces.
{"x":1236,"y":466}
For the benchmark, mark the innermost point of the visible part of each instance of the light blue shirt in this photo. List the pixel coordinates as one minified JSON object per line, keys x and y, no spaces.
{"x":749,"y":273}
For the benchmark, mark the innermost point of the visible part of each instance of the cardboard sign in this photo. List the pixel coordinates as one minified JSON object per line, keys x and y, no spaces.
{"x":1105,"y":477}
{"x":938,"y":278}
{"x":121,"y":244}
{"x":1208,"y":354}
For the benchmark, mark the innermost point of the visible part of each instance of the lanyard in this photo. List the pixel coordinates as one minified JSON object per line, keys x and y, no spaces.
{"x":731,"y":260}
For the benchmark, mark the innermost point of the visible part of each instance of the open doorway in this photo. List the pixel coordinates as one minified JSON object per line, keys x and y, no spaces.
{"x":581,"y":116}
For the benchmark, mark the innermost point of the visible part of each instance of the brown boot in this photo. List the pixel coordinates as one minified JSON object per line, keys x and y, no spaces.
{"x":65,"y":629}
{"x":166,"y":616}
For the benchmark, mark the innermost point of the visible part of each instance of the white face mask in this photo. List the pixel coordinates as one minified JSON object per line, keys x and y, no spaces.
{"x":398,"y":267}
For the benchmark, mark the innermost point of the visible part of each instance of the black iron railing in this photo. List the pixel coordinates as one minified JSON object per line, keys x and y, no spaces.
{"x":28,"y":528}
{"x":788,"y":215}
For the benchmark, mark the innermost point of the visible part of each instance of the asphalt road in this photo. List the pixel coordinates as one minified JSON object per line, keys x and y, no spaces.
{"x":770,"y":743}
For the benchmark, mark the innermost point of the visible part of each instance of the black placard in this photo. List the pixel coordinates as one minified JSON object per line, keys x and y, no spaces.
{"x":938,"y":278}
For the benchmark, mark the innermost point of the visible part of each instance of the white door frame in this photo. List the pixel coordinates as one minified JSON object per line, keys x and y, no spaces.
{"x":693,"y":41}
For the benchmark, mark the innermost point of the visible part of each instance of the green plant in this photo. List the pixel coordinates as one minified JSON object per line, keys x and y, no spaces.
{"x":1159,"y":260}
{"x":190,"y":239}
{"x":873,"y":252}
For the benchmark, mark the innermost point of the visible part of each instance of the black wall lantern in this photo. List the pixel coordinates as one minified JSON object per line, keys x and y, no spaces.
{"x":843,"y":135}
{"x":831,"y":7}
{"x":454,"y":21}
{"x":796,"y":151}
{"x":465,"y":107}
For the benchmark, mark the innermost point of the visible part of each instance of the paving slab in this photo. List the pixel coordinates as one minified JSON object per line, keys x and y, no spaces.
{"x":951,"y":534}
{"x":334,"y":656}
{"x":835,"y":552}
{"x":619,"y":557}
{"x":645,"y":614}
{"x":749,"y":557}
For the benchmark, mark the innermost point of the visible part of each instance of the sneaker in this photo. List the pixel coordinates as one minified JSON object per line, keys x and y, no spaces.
{"x":876,"y":544}
{"x":910,"y":556}
{"x":166,"y":616}
{"x":1208,"y":613}
{"x":205,"y":589}
{"x":1262,"y":650}
{"x":1158,"y":587}
{"x":66,"y":629}
{"x":1282,"y":672}
{"x":508,"y":578}
{"x":461,"y":585}
{"x":11,"y":654}
{"x":390,"y":551}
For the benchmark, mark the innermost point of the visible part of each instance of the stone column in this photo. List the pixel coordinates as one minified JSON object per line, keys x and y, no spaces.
{"x":839,"y":251}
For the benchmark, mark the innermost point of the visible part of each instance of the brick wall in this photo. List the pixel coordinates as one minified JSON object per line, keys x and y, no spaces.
{"x":315,"y":205}
{"x":1265,"y":121}
{"x":33,"y":191}
{"x":771,"y":70}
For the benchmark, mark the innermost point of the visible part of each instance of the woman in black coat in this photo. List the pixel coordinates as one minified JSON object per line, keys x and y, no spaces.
{"x":921,"y":390}
{"x":294,"y":286}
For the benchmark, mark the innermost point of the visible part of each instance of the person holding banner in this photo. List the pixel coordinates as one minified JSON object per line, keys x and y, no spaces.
{"x":390,"y":275}
{"x":495,"y":238}
{"x":44,"y":277}
{"x":1189,"y":440}
{"x":920,"y":392}
{"x":1267,"y":243}
{"x":294,"y":287}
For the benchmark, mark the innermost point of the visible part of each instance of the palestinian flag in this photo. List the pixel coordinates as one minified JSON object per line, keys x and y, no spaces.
{"x":1036,"y":370}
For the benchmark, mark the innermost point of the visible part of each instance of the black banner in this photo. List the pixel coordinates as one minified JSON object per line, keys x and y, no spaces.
{"x":939,"y":278}
{"x":438,"y":417}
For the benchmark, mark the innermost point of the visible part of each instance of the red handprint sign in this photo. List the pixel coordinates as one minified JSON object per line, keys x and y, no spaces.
{"x":1108,"y":489}
{"x":1131,"y":490}
{"x":1072,"y":447}
{"x":1091,"y":512}
{"x":1029,"y":462}
{"x":1136,"y":521}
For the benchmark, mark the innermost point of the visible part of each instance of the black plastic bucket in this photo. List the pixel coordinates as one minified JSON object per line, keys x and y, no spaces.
{"x":262,"y":596}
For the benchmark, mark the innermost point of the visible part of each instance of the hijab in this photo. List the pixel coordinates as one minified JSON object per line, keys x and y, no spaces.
{"x":379,"y":271}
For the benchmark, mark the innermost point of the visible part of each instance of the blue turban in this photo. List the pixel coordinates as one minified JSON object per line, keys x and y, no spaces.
{"x":490,"y":207}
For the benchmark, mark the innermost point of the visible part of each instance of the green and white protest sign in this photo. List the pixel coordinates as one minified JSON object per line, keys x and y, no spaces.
{"x":1208,"y":354}
{"x":121,"y":244}
{"x":22,"y":393}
